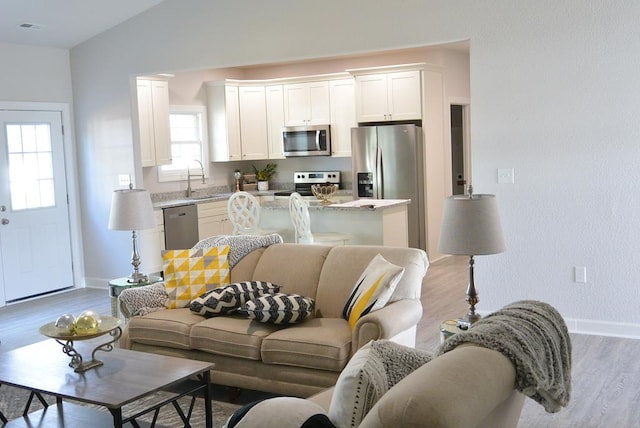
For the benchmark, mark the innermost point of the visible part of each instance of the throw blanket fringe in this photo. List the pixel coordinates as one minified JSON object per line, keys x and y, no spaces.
{"x":535,"y":338}
{"x":240,"y":245}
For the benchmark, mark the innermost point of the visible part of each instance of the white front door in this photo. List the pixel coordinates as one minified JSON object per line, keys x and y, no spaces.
{"x":35,"y":243}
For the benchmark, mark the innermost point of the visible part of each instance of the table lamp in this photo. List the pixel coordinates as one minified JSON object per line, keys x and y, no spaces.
{"x":471,"y":227}
{"x":131,"y":209}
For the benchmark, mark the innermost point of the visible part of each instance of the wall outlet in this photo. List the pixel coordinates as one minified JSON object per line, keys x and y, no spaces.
{"x":506,"y":176}
{"x":580,"y":274}
{"x":124,"y":179}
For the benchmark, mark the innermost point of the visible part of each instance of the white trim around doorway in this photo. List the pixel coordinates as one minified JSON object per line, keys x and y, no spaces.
{"x":71,"y":176}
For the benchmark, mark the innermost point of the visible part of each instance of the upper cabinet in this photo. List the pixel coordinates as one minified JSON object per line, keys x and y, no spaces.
{"x":343,"y":115}
{"x":153,"y":120}
{"x":253,"y":123}
{"x":388,"y":96}
{"x":275,"y":120}
{"x":224,"y":121}
{"x":306,"y":103}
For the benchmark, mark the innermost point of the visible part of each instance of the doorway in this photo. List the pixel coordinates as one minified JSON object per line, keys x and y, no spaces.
{"x":35,"y":238}
{"x":460,"y":160}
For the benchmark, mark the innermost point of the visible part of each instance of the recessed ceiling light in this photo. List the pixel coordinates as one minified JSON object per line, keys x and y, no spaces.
{"x":31,"y":26}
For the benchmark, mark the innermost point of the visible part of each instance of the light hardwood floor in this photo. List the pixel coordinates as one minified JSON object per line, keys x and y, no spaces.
{"x":606,"y":375}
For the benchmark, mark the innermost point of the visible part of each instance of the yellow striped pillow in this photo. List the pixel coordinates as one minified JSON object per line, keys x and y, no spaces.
{"x":191,"y":273}
{"x":372,"y":290}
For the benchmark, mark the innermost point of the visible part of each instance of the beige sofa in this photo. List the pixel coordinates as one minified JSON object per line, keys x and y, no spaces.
{"x":469,"y":387}
{"x":300,"y":359}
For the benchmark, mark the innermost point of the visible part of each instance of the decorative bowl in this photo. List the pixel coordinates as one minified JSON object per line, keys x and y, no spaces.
{"x":324,"y":192}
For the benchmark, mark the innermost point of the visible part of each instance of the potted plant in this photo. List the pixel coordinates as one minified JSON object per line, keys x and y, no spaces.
{"x":264,"y":175}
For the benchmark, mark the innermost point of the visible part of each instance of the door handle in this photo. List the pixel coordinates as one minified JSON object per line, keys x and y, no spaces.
{"x":2,"y":208}
{"x":5,"y":221}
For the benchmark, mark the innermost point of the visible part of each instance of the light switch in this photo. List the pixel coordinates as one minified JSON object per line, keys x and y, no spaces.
{"x":580,"y":274}
{"x":505,"y":176}
{"x":124,"y":179}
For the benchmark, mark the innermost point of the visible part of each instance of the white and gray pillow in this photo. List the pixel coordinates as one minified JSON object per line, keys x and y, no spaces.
{"x":372,"y":371}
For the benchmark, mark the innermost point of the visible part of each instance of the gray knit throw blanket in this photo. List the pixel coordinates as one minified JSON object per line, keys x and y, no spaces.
{"x":239,"y":245}
{"x":535,"y":338}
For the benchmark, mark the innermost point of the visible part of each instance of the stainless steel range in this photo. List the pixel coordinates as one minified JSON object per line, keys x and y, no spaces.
{"x":302,"y":181}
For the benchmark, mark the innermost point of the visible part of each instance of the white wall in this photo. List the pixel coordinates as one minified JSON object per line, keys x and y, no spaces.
{"x":553,"y":92}
{"x":34,"y":74}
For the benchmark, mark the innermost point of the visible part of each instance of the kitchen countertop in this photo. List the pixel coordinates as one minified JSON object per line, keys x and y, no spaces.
{"x":202,"y":199}
{"x":179,"y":201}
{"x":360,"y":204}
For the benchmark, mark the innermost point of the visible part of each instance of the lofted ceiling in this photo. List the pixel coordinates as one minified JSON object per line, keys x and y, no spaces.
{"x":63,"y":23}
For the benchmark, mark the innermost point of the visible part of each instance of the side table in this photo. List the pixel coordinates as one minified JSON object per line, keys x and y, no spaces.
{"x":117,"y":285}
{"x":448,"y":328}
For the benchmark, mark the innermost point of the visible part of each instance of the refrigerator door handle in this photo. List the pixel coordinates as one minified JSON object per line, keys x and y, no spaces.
{"x":379,"y":194}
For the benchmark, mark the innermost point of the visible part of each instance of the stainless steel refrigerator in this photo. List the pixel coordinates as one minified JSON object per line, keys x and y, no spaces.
{"x":388,"y":164}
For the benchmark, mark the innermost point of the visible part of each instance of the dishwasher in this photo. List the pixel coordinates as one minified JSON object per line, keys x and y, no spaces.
{"x":180,"y":227}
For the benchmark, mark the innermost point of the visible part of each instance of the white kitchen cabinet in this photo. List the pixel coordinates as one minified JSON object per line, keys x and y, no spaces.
{"x":213,"y":219}
{"x":153,"y":121}
{"x":389,"y":96}
{"x":306,"y":103}
{"x":253,"y":123}
{"x":275,"y":120}
{"x":343,"y":115}
{"x":224,"y":121}
{"x":151,"y":245}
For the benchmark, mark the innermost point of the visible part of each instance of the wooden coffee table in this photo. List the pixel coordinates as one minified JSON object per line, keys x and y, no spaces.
{"x":125,"y":376}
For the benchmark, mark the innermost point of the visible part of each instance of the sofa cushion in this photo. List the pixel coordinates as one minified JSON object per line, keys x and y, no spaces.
{"x":370,"y":373}
{"x":231,"y":335}
{"x":225,"y":300}
{"x":279,"y":308}
{"x":318,"y":343}
{"x":279,"y":412}
{"x":373,"y":289}
{"x":190,"y":273}
{"x":167,"y":327}
{"x":296,"y":268}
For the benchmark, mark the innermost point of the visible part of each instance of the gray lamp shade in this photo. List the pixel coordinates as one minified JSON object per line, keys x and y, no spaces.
{"x":471,"y":226}
{"x":131,"y":209}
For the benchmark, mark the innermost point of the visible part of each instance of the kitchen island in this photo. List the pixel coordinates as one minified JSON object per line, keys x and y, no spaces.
{"x":367,"y":221}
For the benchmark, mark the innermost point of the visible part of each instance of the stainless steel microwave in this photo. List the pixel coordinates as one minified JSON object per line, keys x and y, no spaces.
{"x":313,"y":140}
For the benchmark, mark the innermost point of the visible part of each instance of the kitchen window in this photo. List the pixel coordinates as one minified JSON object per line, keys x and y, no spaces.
{"x":188,"y":143}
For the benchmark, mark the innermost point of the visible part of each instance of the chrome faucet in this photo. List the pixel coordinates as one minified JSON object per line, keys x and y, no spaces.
{"x":189,"y":190}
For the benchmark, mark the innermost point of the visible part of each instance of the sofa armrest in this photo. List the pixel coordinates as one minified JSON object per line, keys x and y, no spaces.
{"x":387,"y":322}
{"x":141,"y":300}
{"x":466,"y":387}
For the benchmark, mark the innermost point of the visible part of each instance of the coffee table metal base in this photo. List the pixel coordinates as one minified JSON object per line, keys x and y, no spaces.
{"x":73,"y":415}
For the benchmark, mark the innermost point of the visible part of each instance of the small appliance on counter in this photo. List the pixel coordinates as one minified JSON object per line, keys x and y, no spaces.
{"x":303,"y":180}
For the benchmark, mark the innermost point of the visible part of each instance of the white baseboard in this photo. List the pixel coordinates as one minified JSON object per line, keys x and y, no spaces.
{"x":101,"y":283}
{"x":603,"y":328}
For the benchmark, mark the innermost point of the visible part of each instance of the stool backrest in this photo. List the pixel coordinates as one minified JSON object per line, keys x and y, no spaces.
{"x":299,"y":212}
{"x":243,"y":210}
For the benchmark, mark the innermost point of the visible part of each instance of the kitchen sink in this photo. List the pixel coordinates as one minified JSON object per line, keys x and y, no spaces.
{"x":197,"y":197}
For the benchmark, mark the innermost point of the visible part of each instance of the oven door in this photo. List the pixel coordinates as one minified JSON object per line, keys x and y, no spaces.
{"x":307,"y":140}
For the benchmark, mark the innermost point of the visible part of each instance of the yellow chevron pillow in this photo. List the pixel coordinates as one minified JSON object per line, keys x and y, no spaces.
{"x":372,"y":290}
{"x":191,"y":273}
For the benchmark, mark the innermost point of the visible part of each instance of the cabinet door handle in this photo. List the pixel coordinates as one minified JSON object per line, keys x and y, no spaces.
{"x":5,"y":221}
{"x":3,"y":208}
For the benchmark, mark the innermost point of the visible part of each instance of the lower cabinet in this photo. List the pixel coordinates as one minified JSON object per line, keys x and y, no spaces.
{"x":151,"y":246}
{"x":213,"y":219}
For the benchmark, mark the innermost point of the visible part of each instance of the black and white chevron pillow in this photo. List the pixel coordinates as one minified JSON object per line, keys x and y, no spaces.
{"x":279,"y":308}
{"x":226,"y":300}
{"x":249,"y":290}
